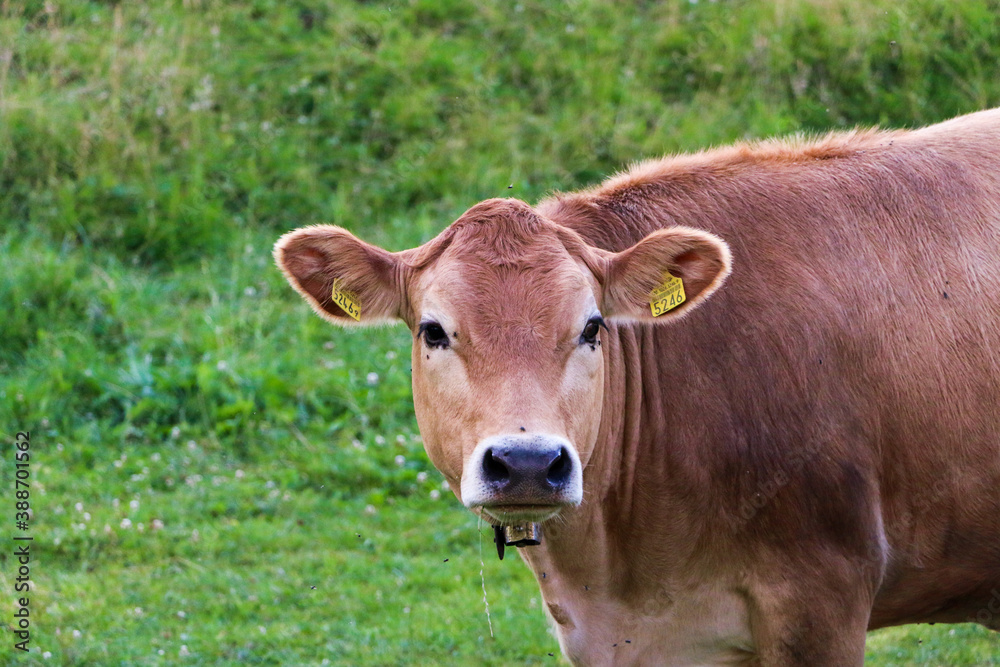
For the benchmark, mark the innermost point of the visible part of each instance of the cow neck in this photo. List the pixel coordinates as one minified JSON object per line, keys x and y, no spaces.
{"x":601,"y":545}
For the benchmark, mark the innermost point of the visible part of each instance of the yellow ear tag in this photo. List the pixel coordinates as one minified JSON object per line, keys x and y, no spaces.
{"x":348,"y":301}
{"x":667,"y":296}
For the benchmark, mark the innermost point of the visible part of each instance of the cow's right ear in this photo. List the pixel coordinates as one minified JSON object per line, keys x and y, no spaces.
{"x":344,"y":279}
{"x":665,"y":275}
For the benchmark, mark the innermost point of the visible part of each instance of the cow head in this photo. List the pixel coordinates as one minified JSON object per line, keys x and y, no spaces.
{"x":507,"y":311}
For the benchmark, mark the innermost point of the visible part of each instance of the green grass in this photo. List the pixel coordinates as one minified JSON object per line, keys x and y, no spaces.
{"x":149,"y":157}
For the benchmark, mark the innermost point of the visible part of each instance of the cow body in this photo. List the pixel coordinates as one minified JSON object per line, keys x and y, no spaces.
{"x":812,"y":453}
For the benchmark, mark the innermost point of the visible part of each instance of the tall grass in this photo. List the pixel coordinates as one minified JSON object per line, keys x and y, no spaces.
{"x":156,"y":133}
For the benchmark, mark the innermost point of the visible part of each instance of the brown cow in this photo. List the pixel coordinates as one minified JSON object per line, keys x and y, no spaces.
{"x":755,"y":478}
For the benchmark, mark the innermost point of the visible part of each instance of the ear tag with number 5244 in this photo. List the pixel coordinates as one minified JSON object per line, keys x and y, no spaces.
{"x":348,"y":301}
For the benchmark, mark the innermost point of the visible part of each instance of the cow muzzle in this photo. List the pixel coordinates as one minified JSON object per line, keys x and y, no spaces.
{"x":522,"y":478}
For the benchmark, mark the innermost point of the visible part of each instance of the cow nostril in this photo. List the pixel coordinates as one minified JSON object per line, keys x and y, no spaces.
{"x":560,"y":469}
{"x":494,"y":470}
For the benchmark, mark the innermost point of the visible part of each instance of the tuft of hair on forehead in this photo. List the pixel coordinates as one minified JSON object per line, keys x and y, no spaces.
{"x":502,"y":232}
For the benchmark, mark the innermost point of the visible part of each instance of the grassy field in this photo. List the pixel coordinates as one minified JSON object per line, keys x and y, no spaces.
{"x":219,"y":477}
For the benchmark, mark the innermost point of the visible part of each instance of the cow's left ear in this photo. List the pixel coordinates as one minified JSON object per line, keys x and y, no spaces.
{"x":665,"y":275}
{"x":344,"y":279}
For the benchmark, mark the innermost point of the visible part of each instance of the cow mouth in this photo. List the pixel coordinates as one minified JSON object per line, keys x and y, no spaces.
{"x":521,"y":513}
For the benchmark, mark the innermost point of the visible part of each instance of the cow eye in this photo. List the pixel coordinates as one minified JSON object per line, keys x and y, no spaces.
{"x":433,"y":334}
{"x":590,"y":331}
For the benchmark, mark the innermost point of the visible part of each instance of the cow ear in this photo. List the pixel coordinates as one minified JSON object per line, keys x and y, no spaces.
{"x":665,"y":275}
{"x":344,"y":279}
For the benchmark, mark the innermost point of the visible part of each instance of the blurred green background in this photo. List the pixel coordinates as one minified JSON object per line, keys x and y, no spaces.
{"x":218,"y":476}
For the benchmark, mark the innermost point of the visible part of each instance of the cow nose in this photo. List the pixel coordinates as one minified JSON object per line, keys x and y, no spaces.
{"x":511,"y":469}
{"x":514,"y":466}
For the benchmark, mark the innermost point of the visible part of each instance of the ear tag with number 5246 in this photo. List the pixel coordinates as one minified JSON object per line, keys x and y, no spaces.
{"x":667,"y":296}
